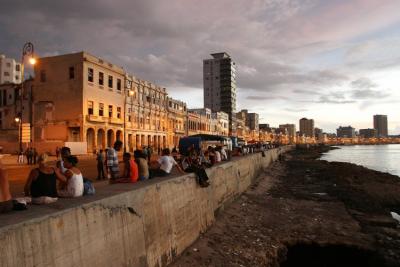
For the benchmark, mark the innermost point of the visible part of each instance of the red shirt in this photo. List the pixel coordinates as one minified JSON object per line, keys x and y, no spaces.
{"x":133,"y":171}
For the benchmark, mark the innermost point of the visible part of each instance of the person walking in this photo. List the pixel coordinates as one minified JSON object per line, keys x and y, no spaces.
{"x":112,"y":160}
{"x":100,"y":165}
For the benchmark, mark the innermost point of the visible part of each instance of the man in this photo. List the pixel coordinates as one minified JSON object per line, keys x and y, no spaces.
{"x":166,"y":163}
{"x":131,"y":172}
{"x":112,"y":160}
{"x":100,"y":165}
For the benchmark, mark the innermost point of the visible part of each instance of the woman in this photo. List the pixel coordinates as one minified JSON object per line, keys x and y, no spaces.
{"x":41,"y":183}
{"x":6,"y":203}
{"x":73,"y":185}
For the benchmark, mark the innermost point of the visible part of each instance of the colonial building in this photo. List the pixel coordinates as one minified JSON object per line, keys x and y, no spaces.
{"x":147,"y":119}
{"x":78,"y":98}
{"x":177,"y":118}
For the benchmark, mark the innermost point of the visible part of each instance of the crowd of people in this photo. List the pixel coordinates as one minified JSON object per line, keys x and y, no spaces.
{"x":46,"y":183}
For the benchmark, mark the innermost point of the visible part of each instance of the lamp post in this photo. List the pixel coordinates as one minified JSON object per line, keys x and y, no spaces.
{"x":18,"y":121}
{"x":27,"y":50}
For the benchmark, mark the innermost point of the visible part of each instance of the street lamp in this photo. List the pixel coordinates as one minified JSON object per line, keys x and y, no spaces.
{"x":27,"y":51}
{"x":18,"y":121}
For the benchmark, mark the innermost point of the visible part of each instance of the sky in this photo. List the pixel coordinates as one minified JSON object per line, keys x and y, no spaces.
{"x":335,"y":61}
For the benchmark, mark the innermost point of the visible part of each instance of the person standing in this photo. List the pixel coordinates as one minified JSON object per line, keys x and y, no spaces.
{"x":35,"y":155}
{"x":100,"y":165}
{"x":112,"y":160}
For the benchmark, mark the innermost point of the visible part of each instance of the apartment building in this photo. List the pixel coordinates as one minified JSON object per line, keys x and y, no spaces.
{"x":78,"y":98}
{"x":10,"y":70}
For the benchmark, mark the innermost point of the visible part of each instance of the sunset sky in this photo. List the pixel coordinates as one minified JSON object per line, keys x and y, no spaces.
{"x":337,"y":62}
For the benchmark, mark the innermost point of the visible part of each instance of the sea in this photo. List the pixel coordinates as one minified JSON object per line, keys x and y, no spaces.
{"x":384,"y":158}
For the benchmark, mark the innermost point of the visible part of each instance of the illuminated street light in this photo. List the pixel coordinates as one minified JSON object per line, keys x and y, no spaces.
{"x":32,"y":61}
{"x":17,"y":120}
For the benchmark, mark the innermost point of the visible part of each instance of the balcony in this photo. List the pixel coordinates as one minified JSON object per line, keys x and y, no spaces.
{"x":94,"y":118}
{"x":115,"y":121}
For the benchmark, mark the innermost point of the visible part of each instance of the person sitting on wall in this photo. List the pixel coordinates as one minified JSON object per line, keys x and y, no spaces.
{"x":131,"y":172}
{"x":41,"y":183}
{"x":165,"y":165}
{"x":142,"y":164}
{"x":6,"y":203}
{"x":73,"y":185}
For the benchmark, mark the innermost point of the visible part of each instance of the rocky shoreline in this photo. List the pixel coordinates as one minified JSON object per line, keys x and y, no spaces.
{"x":306,"y":212}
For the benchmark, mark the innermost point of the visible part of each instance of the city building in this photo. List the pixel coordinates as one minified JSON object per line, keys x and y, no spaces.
{"x":368,"y":133}
{"x":220,"y":123}
{"x":381,"y":125}
{"x":346,"y":132}
{"x":147,"y":115}
{"x":219,"y":79}
{"x":307,"y":127}
{"x":177,"y":117}
{"x":10,"y":114}
{"x":202,"y":122}
{"x":10,"y":70}
{"x":291,"y":129}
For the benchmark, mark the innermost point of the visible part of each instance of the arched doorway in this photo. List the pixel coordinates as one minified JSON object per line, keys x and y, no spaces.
{"x":101,"y":139}
{"x":90,"y":140}
{"x":110,"y":138}
{"x":119,"y":135}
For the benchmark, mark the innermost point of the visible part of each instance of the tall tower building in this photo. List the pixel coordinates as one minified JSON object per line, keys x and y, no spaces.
{"x":381,"y":125}
{"x":219,"y":80}
{"x":307,"y":127}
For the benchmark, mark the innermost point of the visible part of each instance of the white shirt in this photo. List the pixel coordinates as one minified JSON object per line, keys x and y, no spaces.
{"x":223,"y":154}
{"x":74,"y":186}
{"x":217,"y":156}
{"x":167,"y":162}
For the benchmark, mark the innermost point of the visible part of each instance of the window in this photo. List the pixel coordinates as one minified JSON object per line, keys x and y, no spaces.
{"x":101,"y":109}
{"x":119,"y":112}
{"x":16,"y":77}
{"x":42,"y":76}
{"x":18,"y":67}
{"x":110,"y":111}
{"x":8,"y":64}
{"x":6,"y":73}
{"x":90,"y":107}
{"x":71,"y":72}
{"x":101,"y":78}
{"x":110,"y":81}
{"x":119,"y":84}
{"x":90,"y":75}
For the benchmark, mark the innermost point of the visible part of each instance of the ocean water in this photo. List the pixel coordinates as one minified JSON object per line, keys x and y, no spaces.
{"x":384,"y":158}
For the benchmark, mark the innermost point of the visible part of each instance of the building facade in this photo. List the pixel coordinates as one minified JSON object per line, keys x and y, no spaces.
{"x":10,"y":70}
{"x":219,"y":79}
{"x":368,"y":133}
{"x":346,"y":132}
{"x":381,"y":125}
{"x":177,"y":119}
{"x":291,"y":129}
{"x":307,"y":127}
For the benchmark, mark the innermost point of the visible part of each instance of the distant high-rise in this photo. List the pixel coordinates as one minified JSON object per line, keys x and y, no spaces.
{"x":291,"y":129}
{"x":381,"y":125}
{"x":347,"y":131}
{"x":368,"y":133}
{"x":307,"y":127}
{"x":219,"y":79}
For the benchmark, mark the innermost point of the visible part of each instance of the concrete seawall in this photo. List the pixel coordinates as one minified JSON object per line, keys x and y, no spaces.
{"x":146,"y":225}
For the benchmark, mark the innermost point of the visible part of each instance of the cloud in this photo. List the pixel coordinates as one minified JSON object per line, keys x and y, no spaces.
{"x":296,"y":109}
{"x":364,"y":90}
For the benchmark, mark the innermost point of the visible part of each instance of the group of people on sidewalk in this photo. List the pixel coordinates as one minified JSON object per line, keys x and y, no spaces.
{"x":136,"y":167}
{"x":30,"y":154}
